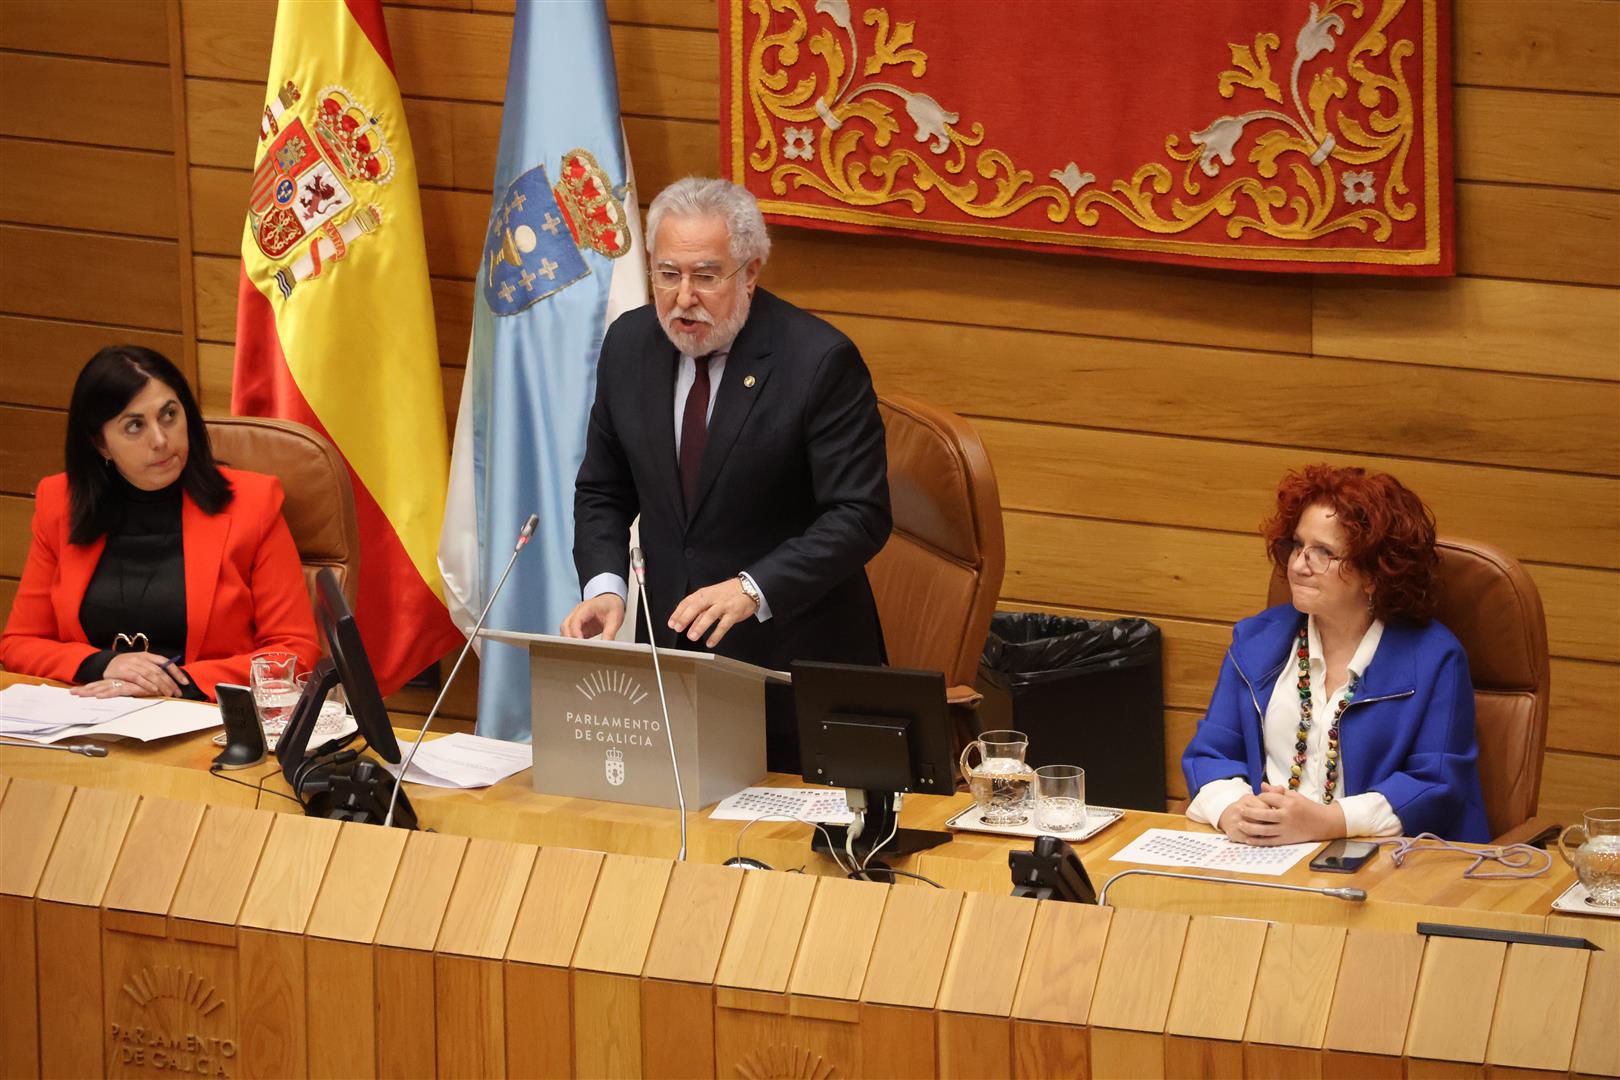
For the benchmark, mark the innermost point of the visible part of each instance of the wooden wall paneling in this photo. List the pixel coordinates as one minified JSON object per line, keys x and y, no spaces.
{"x":1570,"y":783}
{"x":218,"y":209}
{"x":272,"y":975}
{"x":219,"y":870}
{"x":1526,"y":137}
{"x":32,"y":441}
{"x":16,"y":533}
{"x":94,"y":278}
{"x":214,"y":280}
{"x":30,"y":818}
{"x":1210,"y":1004}
{"x":979,"y":984}
{"x":693,"y":14}
{"x":1134,"y":987}
{"x":767,"y":926}
{"x":185,"y":292}
{"x":1293,"y":993}
{"x":42,"y":357}
{"x":338,"y":954}
{"x":992,"y":287}
{"x":663,"y":150}
{"x":537,"y":957}
{"x":1372,"y":1003}
{"x":55,"y":185}
{"x":1059,"y":977}
{"x":607,"y":964}
{"x":677,"y":990}
{"x":153,"y":856}
{"x":1597,"y":1036}
{"x":1196,"y":483}
{"x":1456,"y":998}
{"x":1538,"y":1006}
{"x":468,"y":998}
{"x":110,"y":29}
{"x":1541,"y":233}
{"x":1582,"y":695}
{"x":411,"y":920}
{"x":67,"y":930}
{"x":1583,"y":610}
{"x":903,"y":975}
{"x":1538,"y":44}
{"x":1487,"y":323}
{"x":1490,"y":417}
{"x":64,"y":98}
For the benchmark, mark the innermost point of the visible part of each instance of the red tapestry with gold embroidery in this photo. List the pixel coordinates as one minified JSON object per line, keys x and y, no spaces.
{"x":1291,"y":135}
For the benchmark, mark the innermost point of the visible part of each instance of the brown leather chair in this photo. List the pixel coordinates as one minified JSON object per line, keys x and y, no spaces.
{"x":320,"y":499}
{"x":938,"y":577}
{"x":1488,"y":600}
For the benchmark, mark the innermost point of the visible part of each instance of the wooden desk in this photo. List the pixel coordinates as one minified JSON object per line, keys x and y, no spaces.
{"x":512,"y":811}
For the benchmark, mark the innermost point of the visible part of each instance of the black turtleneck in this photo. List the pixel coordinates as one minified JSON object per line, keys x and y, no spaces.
{"x":140,"y":583}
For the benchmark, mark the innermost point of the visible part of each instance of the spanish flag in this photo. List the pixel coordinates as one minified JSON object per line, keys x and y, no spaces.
{"x":334,"y":323}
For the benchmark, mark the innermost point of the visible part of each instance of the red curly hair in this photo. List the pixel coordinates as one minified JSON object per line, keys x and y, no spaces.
{"x":1391,"y":534}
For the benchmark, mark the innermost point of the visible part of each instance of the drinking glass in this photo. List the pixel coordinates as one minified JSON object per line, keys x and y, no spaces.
{"x":1000,"y":782}
{"x":1597,"y":860}
{"x":1060,"y":798}
{"x":275,"y":692}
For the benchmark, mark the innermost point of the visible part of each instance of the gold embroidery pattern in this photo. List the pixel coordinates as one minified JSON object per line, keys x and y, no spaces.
{"x":1319,"y":201}
{"x":1312,"y":163}
{"x":857,"y":110}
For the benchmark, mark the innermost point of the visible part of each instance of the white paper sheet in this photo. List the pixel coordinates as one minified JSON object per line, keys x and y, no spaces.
{"x":460,"y":760}
{"x":58,"y":715}
{"x":1210,"y":851}
{"x":825,"y":805}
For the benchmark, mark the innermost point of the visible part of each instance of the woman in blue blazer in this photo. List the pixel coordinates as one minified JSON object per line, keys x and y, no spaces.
{"x":1348,"y":712}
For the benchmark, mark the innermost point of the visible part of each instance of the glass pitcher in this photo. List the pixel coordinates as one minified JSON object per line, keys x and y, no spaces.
{"x":1597,"y":860}
{"x":1001,"y":781}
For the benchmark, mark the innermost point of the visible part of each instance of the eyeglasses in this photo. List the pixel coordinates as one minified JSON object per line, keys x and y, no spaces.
{"x":1318,"y":559}
{"x":703,"y":281}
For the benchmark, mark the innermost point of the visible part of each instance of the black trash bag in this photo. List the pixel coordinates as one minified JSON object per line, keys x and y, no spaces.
{"x":1033,"y":647}
{"x":1087,"y":692}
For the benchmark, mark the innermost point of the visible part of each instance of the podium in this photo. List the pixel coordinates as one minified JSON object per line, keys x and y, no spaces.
{"x":599,"y":729}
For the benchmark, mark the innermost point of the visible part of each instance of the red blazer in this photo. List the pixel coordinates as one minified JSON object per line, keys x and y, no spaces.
{"x":245,"y":590}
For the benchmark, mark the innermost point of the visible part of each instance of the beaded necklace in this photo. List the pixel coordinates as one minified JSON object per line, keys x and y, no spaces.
{"x":1302,"y":650}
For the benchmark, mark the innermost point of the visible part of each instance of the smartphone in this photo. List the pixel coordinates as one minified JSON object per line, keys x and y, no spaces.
{"x":1344,"y":856}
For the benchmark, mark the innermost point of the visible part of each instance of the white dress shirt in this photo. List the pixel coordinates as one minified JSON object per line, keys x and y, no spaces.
{"x":1365,"y":814}
{"x":685,"y":376}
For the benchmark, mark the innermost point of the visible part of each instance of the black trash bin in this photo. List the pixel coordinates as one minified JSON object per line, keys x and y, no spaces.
{"x":1087,"y":692}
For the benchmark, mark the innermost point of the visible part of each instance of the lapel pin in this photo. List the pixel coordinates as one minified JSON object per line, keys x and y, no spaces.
{"x":749,"y":381}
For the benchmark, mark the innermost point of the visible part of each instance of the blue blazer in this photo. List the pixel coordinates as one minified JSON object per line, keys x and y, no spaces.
{"x":1408,"y":734}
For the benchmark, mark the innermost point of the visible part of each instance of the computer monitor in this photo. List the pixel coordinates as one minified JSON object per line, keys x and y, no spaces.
{"x":878,"y":733}
{"x":335,"y":782}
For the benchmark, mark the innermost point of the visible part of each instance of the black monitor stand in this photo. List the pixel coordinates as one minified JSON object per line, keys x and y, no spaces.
{"x":880,"y":819}
{"x":355,"y":790}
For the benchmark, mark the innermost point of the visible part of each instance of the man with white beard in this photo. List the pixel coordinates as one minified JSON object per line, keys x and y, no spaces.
{"x":746,"y":434}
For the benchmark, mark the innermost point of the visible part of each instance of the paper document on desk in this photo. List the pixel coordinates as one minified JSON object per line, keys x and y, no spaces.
{"x":460,"y":760}
{"x":826,"y":805}
{"x":1210,"y":851}
{"x":48,"y":714}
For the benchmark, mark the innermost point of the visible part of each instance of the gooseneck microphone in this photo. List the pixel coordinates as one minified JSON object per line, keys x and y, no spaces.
{"x":1355,"y":896}
{"x":522,"y":541}
{"x":638,"y":566}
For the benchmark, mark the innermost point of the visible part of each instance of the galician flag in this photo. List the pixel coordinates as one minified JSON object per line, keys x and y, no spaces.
{"x":562,"y":259}
{"x":334,"y":324}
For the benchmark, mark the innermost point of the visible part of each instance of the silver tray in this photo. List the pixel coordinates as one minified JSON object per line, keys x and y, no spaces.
{"x":1098,"y":818}
{"x":1574,"y":901}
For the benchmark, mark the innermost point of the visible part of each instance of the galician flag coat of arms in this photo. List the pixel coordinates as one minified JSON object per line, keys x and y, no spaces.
{"x":335,"y":315}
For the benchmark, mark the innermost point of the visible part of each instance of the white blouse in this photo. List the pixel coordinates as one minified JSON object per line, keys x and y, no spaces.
{"x":1366,"y":814}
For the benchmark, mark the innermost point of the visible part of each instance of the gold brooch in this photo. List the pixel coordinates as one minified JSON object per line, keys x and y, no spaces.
{"x":749,"y":382}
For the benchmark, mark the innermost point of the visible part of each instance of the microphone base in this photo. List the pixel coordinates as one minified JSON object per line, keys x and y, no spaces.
{"x":357,"y":791}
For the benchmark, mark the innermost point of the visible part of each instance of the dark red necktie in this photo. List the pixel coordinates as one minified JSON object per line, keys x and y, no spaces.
{"x":695,"y":429}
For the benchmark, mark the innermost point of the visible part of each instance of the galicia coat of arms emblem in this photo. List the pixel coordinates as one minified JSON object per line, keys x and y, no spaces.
{"x":538,"y":232}
{"x":615,"y":767}
{"x":312,"y":180}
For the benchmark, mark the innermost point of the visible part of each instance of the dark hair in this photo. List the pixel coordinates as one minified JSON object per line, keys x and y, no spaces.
{"x":106,"y":386}
{"x":1390,"y":531}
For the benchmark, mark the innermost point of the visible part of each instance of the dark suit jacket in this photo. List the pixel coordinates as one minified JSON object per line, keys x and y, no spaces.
{"x":793,"y":488}
{"x":245,"y":590}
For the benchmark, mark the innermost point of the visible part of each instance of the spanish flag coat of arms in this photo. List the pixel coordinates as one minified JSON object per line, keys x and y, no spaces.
{"x":335,"y":316}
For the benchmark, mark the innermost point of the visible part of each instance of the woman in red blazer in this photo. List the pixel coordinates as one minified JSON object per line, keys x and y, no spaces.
{"x":153,"y":570}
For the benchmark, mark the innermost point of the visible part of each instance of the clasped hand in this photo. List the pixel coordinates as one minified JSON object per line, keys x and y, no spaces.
{"x":141,"y":674}
{"x":1279,"y":816}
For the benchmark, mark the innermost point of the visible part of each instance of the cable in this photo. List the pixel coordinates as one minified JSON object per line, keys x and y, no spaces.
{"x":893,"y":830}
{"x":831,"y":848}
{"x":865,"y":874}
{"x":1515,"y":859}
{"x":259,"y":787}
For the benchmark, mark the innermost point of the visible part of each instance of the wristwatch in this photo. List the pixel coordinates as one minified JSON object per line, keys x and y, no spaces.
{"x":751,"y":591}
